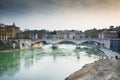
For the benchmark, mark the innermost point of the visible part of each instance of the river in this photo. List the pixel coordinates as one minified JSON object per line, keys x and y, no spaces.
{"x":46,"y":63}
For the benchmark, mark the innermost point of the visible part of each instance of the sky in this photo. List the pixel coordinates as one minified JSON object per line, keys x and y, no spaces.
{"x":60,"y":14}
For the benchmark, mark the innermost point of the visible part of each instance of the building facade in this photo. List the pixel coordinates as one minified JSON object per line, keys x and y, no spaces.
{"x":70,"y":34}
{"x":8,"y":32}
{"x":92,"y":33}
{"x":108,"y":34}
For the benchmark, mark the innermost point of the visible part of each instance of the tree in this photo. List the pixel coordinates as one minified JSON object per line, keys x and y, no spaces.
{"x":5,"y":45}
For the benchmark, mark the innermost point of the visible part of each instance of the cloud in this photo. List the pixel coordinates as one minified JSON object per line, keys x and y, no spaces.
{"x":28,"y":13}
{"x":12,"y":7}
{"x":19,"y":6}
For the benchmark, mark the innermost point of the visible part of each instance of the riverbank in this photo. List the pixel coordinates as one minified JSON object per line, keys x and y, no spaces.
{"x":99,"y":70}
{"x":109,"y":53}
{"x":4,"y":51}
{"x":12,"y":50}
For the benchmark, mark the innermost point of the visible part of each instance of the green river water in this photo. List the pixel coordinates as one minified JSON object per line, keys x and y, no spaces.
{"x":46,"y":63}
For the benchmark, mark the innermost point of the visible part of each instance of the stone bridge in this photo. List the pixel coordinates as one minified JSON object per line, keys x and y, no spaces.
{"x":106,"y":42}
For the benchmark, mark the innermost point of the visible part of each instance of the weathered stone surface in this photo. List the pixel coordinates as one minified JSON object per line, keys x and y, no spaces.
{"x":99,"y":70}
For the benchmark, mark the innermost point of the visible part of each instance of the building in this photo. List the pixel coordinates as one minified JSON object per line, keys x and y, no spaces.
{"x":25,"y":35}
{"x":70,"y":34}
{"x":78,"y":34}
{"x":92,"y":33}
{"x":8,"y":31}
{"x":2,"y":32}
{"x":106,"y":34}
{"x":62,"y":34}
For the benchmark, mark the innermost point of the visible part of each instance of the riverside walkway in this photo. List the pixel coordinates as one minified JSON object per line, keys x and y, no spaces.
{"x":110,"y":54}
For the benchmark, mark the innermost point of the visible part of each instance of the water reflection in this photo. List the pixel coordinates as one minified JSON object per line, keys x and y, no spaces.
{"x":17,"y":64}
{"x":9,"y":63}
{"x":77,"y":52}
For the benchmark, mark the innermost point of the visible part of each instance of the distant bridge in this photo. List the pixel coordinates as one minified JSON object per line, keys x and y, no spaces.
{"x":106,"y":42}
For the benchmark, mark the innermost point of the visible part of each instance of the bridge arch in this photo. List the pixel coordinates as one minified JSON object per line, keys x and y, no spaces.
{"x":40,"y":42}
{"x":44,"y":42}
{"x":66,"y":42}
{"x":91,"y":42}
